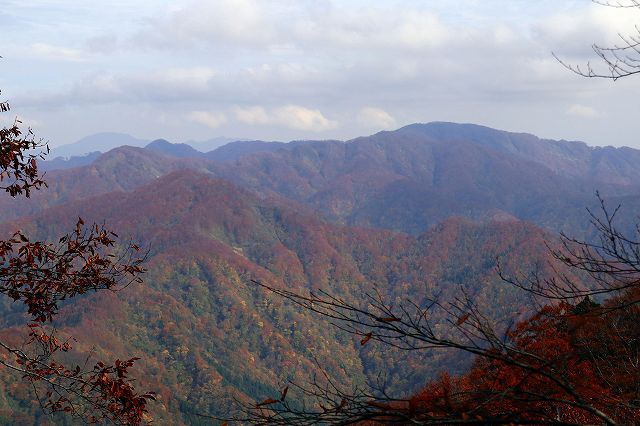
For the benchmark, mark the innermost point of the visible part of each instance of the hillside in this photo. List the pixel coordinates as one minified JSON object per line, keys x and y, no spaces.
{"x":198,"y":323}
{"x":414,"y":177}
{"x":604,"y":165}
{"x":124,"y":169}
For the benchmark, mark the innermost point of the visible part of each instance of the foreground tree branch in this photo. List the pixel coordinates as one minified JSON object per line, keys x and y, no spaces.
{"x":620,"y":60}
{"x":41,"y":275}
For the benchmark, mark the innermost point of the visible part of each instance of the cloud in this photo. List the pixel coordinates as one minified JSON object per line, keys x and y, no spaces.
{"x":252,"y":115}
{"x":208,"y":118}
{"x":301,"y":118}
{"x":376,"y":118}
{"x":47,"y":51}
{"x":574,"y":33}
{"x":213,"y":23}
{"x":105,"y":43}
{"x":284,"y":25}
{"x":281,"y":68}
{"x":583,"y":111}
{"x":291,"y":116}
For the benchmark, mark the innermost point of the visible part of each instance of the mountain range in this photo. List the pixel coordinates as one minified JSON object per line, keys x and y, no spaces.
{"x":405,"y":180}
{"x":416,"y":214}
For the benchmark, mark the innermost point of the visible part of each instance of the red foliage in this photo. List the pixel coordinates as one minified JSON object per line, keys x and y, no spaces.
{"x":561,"y":366}
{"x":17,"y":165}
{"x":42,"y":274}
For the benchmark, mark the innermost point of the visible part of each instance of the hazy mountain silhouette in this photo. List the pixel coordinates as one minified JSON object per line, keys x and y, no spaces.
{"x":101,"y":142}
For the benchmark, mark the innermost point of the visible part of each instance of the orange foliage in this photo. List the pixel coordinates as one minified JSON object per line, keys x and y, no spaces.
{"x":562,"y":366}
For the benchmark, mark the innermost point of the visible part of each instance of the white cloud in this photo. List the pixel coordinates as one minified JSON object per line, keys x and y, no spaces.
{"x":47,"y":51}
{"x":376,"y":118}
{"x":416,"y":30}
{"x":583,"y":111}
{"x":290,"y":116}
{"x":301,"y":118}
{"x":208,"y":118}
{"x":284,"y":25}
{"x":252,"y":115}
{"x":574,"y":33}
{"x":211,"y":23}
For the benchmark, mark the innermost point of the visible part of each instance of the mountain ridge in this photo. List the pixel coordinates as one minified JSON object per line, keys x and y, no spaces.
{"x":408,"y":179}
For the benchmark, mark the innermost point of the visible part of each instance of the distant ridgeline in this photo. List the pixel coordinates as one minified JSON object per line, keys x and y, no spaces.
{"x":405,"y":180}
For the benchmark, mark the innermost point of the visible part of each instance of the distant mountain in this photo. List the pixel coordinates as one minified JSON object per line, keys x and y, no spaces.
{"x":414,"y":177}
{"x":211,"y":144}
{"x":570,"y":158}
{"x":101,"y":142}
{"x":181,"y":150}
{"x":234,"y":150}
{"x":61,"y":163}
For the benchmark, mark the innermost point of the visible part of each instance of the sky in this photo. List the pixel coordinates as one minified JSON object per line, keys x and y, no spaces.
{"x":311,"y":69}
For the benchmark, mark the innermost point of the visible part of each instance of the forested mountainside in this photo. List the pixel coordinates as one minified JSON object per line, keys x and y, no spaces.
{"x":124,"y":168}
{"x":206,"y":335}
{"x":405,"y":180}
{"x":569,"y":158}
{"x":414,"y":177}
{"x":418,"y":214}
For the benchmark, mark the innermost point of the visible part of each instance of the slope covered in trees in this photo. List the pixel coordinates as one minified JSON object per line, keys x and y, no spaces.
{"x":198,"y":322}
{"x":416,"y":176}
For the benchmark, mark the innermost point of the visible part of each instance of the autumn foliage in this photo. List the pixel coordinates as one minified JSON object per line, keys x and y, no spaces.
{"x":572,"y":361}
{"x":568,"y":365}
{"x":42,"y":275}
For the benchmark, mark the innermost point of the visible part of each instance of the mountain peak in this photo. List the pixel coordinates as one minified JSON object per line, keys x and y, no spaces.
{"x":101,"y":142}
{"x":181,"y":150}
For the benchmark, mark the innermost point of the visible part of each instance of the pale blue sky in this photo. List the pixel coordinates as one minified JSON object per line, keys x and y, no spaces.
{"x":316,"y":69}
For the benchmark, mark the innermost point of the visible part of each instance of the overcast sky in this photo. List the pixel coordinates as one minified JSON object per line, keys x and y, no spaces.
{"x":311,"y":69}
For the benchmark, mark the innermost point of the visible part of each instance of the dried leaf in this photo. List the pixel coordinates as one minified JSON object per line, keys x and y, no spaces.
{"x":366,"y":338}
{"x":463,"y":318}
{"x":267,"y":401}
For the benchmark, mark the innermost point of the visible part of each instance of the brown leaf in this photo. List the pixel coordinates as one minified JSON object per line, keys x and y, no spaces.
{"x":366,"y":338}
{"x":267,"y":401}
{"x":388,"y":319}
{"x":463,"y":318}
